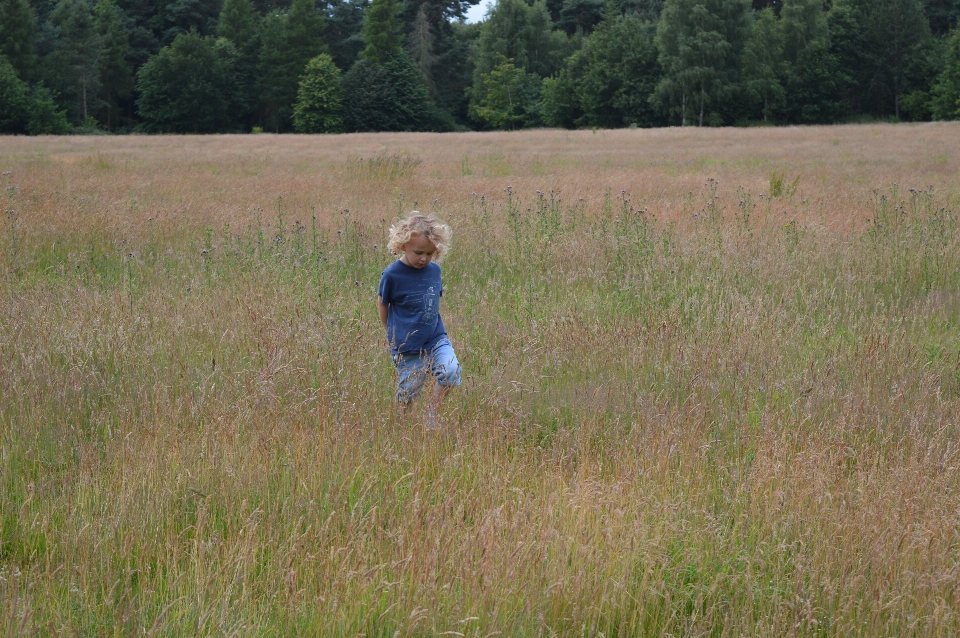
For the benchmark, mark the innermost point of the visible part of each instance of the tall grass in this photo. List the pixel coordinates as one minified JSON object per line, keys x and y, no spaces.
{"x":691,"y":405}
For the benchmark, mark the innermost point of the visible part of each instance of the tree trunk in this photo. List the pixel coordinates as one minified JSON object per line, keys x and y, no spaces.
{"x":703,"y":101}
{"x":683,"y":106}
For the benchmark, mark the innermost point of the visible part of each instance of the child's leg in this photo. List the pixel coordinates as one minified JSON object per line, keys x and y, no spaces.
{"x":446,"y":369}
{"x":413,"y":374}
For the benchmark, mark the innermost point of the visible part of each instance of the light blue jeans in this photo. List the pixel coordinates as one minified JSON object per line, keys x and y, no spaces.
{"x":413,"y":367}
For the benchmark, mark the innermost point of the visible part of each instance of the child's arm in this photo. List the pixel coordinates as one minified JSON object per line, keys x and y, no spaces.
{"x":383,"y":309}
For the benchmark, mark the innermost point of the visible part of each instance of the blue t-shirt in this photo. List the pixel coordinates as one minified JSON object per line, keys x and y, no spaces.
{"x":413,"y":294}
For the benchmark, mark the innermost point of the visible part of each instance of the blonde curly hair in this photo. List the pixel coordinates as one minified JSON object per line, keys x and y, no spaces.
{"x":427,"y":226}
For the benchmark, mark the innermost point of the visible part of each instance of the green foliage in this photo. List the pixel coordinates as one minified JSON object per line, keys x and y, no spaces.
{"x":803,"y":23}
{"x":890,"y":35}
{"x":237,"y":22}
{"x":382,"y":31}
{"x":944,"y":15}
{"x":580,"y":16}
{"x":509,"y":97}
{"x":388,"y":97}
{"x":622,"y":72}
{"x":946,"y":93}
{"x":191,"y":86}
{"x":18,"y":35}
{"x":76,"y":59}
{"x":289,"y":41}
{"x":319,"y":107}
{"x":779,"y":185}
{"x":608,"y":82}
{"x":816,"y":87}
{"x":177,"y":17}
{"x":304,"y":25}
{"x":763,"y":64}
{"x":343,"y":32}
{"x":116,"y":79}
{"x":27,"y":110}
{"x":523,"y":33}
{"x":699,"y":43}
{"x":559,"y":105}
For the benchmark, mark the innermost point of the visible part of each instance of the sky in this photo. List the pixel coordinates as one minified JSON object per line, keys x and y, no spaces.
{"x":476,"y":13}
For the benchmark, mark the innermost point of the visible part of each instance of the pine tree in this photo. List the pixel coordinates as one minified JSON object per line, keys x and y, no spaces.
{"x":388,"y":97}
{"x":304,"y":35}
{"x":116,"y":79}
{"x":18,"y":36}
{"x":420,"y":47}
{"x":382,"y":31}
{"x":175,"y":17}
{"x":343,"y":32}
{"x":319,"y":107}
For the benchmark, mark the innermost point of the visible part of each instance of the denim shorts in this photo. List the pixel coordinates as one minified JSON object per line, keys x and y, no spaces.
{"x":413,"y":367}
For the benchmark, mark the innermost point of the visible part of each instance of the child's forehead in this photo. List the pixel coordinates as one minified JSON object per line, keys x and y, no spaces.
{"x":419,"y":240}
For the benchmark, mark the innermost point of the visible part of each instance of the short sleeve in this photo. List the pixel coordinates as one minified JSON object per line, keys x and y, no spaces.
{"x":385,"y":289}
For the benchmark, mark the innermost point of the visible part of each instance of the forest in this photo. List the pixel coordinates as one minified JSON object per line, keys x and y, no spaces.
{"x":329,"y":66}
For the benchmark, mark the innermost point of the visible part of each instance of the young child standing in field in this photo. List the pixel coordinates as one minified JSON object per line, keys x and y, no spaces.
{"x":408,"y":300}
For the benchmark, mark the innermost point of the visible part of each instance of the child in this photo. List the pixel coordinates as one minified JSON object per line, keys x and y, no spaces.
{"x":409,"y":304}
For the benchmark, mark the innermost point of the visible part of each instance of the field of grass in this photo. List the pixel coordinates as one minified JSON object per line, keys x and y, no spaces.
{"x":712,"y":386}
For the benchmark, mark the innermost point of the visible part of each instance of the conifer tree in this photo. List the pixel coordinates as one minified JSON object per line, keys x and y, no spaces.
{"x":420,"y":47}
{"x":304,"y":35}
{"x":523,"y":34}
{"x":382,"y":31}
{"x":388,"y":97}
{"x":276,"y":100}
{"x":319,"y":107}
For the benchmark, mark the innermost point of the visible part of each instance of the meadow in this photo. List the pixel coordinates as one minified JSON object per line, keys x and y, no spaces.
{"x":711,"y":385}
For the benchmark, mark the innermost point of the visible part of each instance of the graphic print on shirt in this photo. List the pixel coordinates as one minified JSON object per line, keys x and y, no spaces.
{"x":431,"y":305}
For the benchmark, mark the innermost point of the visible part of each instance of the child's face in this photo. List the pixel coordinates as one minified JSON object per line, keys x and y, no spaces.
{"x":418,"y":251}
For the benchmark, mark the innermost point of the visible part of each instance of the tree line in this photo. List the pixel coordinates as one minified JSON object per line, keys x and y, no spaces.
{"x":323,"y":66}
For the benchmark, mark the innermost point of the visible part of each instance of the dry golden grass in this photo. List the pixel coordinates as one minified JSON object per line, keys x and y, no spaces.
{"x":691,"y":406}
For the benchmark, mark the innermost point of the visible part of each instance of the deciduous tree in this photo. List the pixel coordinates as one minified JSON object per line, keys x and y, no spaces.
{"x":190,"y":87}
{"x":319,"y":107}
